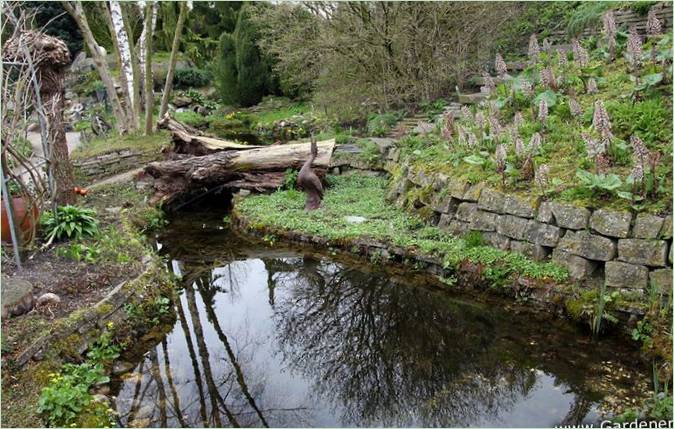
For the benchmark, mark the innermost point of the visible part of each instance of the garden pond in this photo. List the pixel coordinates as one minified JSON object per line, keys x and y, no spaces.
{"x":271,"y":335}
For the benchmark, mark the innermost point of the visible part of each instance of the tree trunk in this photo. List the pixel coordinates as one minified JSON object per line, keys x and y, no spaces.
{"x":126,"y":69}
{"x":174,"y":58}
{"x":142,"y":55}
{"x":76,"y":11}
{"x":138,"y":97}
{"x":260,"y":169}
{"x":146,"y":48}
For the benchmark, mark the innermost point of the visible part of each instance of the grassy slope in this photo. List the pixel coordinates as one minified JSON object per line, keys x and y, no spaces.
{"x":137,"y":142}
{"x":364,"y":196}
{"x":563,"y":149}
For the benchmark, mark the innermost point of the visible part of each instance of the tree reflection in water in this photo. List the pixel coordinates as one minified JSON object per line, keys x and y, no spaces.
{"x":266,"y":337}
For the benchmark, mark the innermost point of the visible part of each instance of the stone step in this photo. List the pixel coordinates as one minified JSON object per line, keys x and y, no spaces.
{"x":472,"y":98}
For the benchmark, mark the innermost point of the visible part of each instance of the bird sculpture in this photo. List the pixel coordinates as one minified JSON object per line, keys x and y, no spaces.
{"x":309,"y":182}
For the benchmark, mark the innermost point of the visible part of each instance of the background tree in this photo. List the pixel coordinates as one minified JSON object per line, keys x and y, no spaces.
{"x":75,"y":10}
{"x":174,"y":58}
{"x":55,"y":21}
{"x":146,"y":54}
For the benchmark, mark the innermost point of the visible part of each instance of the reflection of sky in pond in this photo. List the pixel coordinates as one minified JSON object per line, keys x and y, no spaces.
{"x":278,"y":338}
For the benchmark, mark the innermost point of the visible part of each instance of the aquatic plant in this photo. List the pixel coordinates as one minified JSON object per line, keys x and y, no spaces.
{"x":634,"y":48}
{"x":602,"y":123}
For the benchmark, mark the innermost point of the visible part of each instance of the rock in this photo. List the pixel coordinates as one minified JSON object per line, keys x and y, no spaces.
{"x":443,"y":222}
{"x":122,"y":366}
{"x":545,"y":212}
{"x":543,"y":234}
{"x":587,"y":245}
{"x":442,"y":203}
{"x":423,"y":128}
{"x":48,"y":299}
{"x":17,"y":296}
{"x":473,"y":192}
{"x":491,"y":200}
{"x":611,"y":223}
{"x":458,"y":189}
{"x":533,"y":251}
{"x":513,"y":227}
{"x":662,"y":280}
{"x":496,"y":240}
{"x":647,"y":226}
{"x":458,"y":228}
{"x":113,"y":210}
{"x":518,"y":206}
{"x":666,"y":232}
{"x":355,"y":219}
{"x":484,"y":221}
{"x":579,"y":268}
{"x":139,"y":423}
{"x":466,"y":212}
{"x":624,"y":275}
{"x":643,"y":252}
{"x":570,"y":217}
{"x":181,"y":101}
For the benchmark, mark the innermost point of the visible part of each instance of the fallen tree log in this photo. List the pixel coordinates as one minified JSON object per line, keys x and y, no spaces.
{"x":259,"y":169}
{"x":191,"y":141}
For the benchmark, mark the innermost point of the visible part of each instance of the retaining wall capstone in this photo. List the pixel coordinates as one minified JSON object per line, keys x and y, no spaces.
{"x":629,"y":251}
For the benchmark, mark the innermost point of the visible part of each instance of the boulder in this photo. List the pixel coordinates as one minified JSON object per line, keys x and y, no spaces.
{"x":579,"y":268}
{"x":466,"y":212}
{"x":443,"y":203}
{"x":647,"y":226}
{"x":420,"y":178}
{"x":571,"y":217}
{"x":545,"y":212}
{"x":624,"y":275}
{"x":443,"y":222}
{"x":611,"y":223}
{"x":484,"y":221}
{"x":458,"y":228}
{"x":491,"y":200}
{"x":643,"y":252}
{"x":48,"y":299}
{"x":458,"y":189}
{"x":587,"y":245}
{"x":543,"y":234}
{"x":661,"y":279}
{"x":519,"y":206}
{"x":17,"y":296}
{"x":513,"y":227}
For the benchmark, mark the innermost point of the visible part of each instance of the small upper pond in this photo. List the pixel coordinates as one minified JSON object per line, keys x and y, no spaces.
{"x":280,"y":336}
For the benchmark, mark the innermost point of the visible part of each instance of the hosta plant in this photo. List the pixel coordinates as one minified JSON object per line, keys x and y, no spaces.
{"x":70,"y":222}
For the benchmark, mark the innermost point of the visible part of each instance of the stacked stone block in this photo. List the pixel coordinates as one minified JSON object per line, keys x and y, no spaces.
{"x":631,"y":251}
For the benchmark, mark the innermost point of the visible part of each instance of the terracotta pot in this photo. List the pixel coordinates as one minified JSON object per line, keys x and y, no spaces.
{"x":25,"y":221}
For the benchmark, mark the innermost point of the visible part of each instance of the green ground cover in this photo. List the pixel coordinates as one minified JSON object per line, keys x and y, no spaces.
{"x":636,"y":98}
{"x":364,"y":196}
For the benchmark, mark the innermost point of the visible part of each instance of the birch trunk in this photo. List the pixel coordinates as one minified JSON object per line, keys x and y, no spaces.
{"x":168,"y":86}
{"x":77,"y":12}
{"x":125,"y":58}
{"x":146,"y":46}
{"x":131,"y":8}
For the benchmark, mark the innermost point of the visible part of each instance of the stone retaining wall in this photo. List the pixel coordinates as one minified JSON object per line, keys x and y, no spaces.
{"x":112,"y":162}
{"x":627,"y":250}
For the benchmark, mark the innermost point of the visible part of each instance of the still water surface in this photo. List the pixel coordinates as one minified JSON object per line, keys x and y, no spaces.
{"x":274,"y":336}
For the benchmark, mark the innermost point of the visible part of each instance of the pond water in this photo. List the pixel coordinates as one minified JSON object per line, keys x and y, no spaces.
{"x":277,"y":336}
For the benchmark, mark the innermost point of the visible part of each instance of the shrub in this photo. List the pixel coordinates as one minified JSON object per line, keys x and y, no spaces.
{"x":237,"y":127}
{"x":192,"y":119}
{"x":379,"y":125}
{"x":191,"y":78}
{"x":70,"y":221}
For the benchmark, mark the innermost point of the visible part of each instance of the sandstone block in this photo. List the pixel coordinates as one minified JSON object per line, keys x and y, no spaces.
{"x":443,"y":222}
{"x":458,"y":188}
{"x":571,"y":217}
{"x":579,"y":268}
{"x":611,"y":223}
{"x":590,"y":246}
{"x":518,"y":206}
{"x":666,"y":232}
{"x":513,"y":226}
{"x":543,"y":234}
{"x":458,"y":228}
{"x":545,"y":213}
{"x":647,"y":226}
{"x":484,"y":221}
{"x":443,"y":203}
{"x":497,"y":240}
{"x":661,"y":279}
{"x":644,"y":252}
{"x":466,"y":212}
{"x":531,"y":250}
{"x":624,"y":275}
{"x":473,"y":192}
{"x":491,"y":200}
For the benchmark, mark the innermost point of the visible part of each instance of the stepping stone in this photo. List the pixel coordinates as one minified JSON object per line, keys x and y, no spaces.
{"x":17,"y":296}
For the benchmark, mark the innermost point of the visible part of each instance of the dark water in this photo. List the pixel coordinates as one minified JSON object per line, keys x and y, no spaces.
{"x":271,"y":336}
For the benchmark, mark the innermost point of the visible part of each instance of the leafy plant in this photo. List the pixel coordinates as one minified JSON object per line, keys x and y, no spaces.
{"x":70,"y":221}
{"x":599,"y":183}
{"x":105,"y":349}
{"x":379,"y":125}
{"x":290,"y":179}
{"x":80,"y":252}
{"x":191,"y":78}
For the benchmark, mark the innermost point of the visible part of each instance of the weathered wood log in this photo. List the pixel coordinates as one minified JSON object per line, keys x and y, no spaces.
{"x":189,"y":140}
{"x":257,"y":169}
